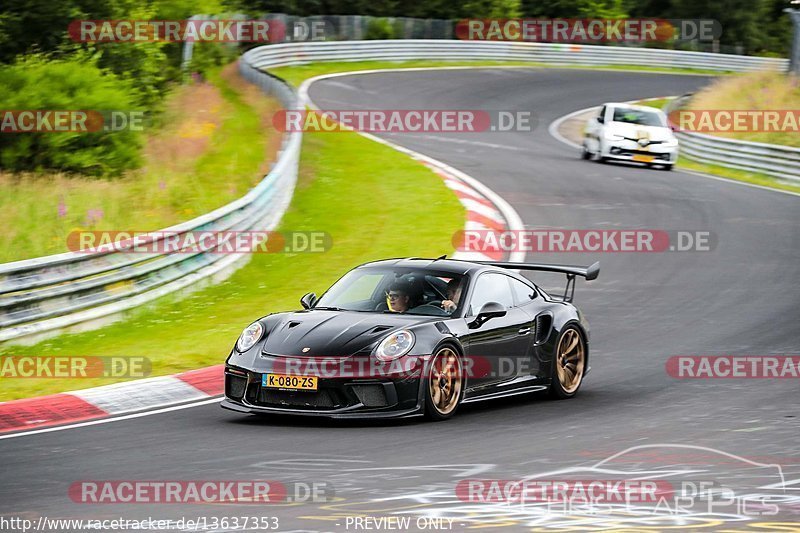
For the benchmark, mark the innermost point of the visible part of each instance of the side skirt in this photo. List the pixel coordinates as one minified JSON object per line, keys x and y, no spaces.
{"x":506,"y":393}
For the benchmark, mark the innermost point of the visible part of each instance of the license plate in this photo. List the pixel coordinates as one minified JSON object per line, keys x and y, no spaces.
{"x":282,"y":381}
{"x":644,"y":158}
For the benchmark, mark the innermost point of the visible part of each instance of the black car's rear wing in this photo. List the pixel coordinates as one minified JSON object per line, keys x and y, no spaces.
{"x":591,"y":272}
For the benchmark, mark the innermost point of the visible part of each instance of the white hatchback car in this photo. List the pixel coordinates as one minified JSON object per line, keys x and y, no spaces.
{"x":628,"y":132}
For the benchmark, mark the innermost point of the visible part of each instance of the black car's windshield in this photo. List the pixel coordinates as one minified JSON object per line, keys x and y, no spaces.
{"x":638,"y":116}
{"x":396,"y":290}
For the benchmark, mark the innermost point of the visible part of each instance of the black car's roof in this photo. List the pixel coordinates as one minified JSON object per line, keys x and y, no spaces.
{"x":442,"y":265}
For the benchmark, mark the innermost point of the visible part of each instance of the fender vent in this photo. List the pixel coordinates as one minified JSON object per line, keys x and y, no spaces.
{"x":378,"y":329}
{"x":293,"y":324}
{"x":544,"y":323}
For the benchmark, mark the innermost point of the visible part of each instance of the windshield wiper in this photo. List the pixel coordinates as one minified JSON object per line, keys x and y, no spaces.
{"x":326,"y":308}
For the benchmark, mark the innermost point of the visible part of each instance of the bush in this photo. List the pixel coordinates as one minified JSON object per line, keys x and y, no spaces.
{"x":207,"y":56}
{"x":145,"y":66}
{"x":379,"y":29}
{"x":36,"y":83}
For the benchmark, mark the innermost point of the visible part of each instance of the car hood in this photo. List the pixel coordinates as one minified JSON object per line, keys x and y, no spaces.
{"x":332,"y":333}
{"x":637,"y":131}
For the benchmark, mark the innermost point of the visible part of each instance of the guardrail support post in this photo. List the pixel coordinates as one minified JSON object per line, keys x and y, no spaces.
{"x":794,"y":58}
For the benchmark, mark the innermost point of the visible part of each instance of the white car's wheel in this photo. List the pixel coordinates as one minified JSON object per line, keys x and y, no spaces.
{"x":598,"y":156}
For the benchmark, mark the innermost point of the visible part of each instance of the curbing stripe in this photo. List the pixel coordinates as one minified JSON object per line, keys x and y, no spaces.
{"x":210,"y":380}
{"x":474,"y":216}
{"x":481,"y":209}
{"x":140,"y":395}
{"x":46,"y":411}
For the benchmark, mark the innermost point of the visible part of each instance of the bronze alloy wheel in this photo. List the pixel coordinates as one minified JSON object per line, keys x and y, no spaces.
{"x":445,"y":382}
{"x":570,"y":360}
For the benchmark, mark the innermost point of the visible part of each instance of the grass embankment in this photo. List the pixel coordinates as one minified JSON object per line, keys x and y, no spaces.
{"x":189,"y":170}
{"x":753,"y":91}
{"x":375,"y":202}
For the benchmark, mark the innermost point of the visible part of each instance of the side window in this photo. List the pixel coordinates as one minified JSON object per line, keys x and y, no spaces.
{"x":491,"y":288}
{"x":523,"y":293}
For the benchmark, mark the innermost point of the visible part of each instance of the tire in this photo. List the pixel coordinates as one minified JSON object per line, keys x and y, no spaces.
{"x":570,"y":352}
{"x":585,"y":154}
{"x":667,"y":167}
{"x":599,"y":157}
{"x":444,"y":386}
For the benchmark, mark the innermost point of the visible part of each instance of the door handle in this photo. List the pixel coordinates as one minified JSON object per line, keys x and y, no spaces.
{"x":524,"y":331}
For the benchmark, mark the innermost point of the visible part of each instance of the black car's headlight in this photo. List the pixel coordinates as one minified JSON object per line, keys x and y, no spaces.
{"x":395,"y":345}
{"x":249,"y":336}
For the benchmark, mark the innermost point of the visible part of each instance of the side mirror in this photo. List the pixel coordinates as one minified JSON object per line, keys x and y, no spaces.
{"x":600,"y":119}
{"x":488,"y":311}
{"x":308,"y":300}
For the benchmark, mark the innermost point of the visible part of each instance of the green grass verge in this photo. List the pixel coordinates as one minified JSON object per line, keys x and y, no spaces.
{"x":296,"y":74}
{"x":374,"y":201}
{"x":658,"y":103}
{"x":737,"y":175}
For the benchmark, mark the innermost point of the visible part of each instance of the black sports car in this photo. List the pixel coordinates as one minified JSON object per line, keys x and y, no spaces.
{"x":405,"y":337}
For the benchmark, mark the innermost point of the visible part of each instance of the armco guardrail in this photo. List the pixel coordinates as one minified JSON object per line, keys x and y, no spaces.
{"x":51,"y":293}
{"x":437,"y":49}
{"x":775,"y":160}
